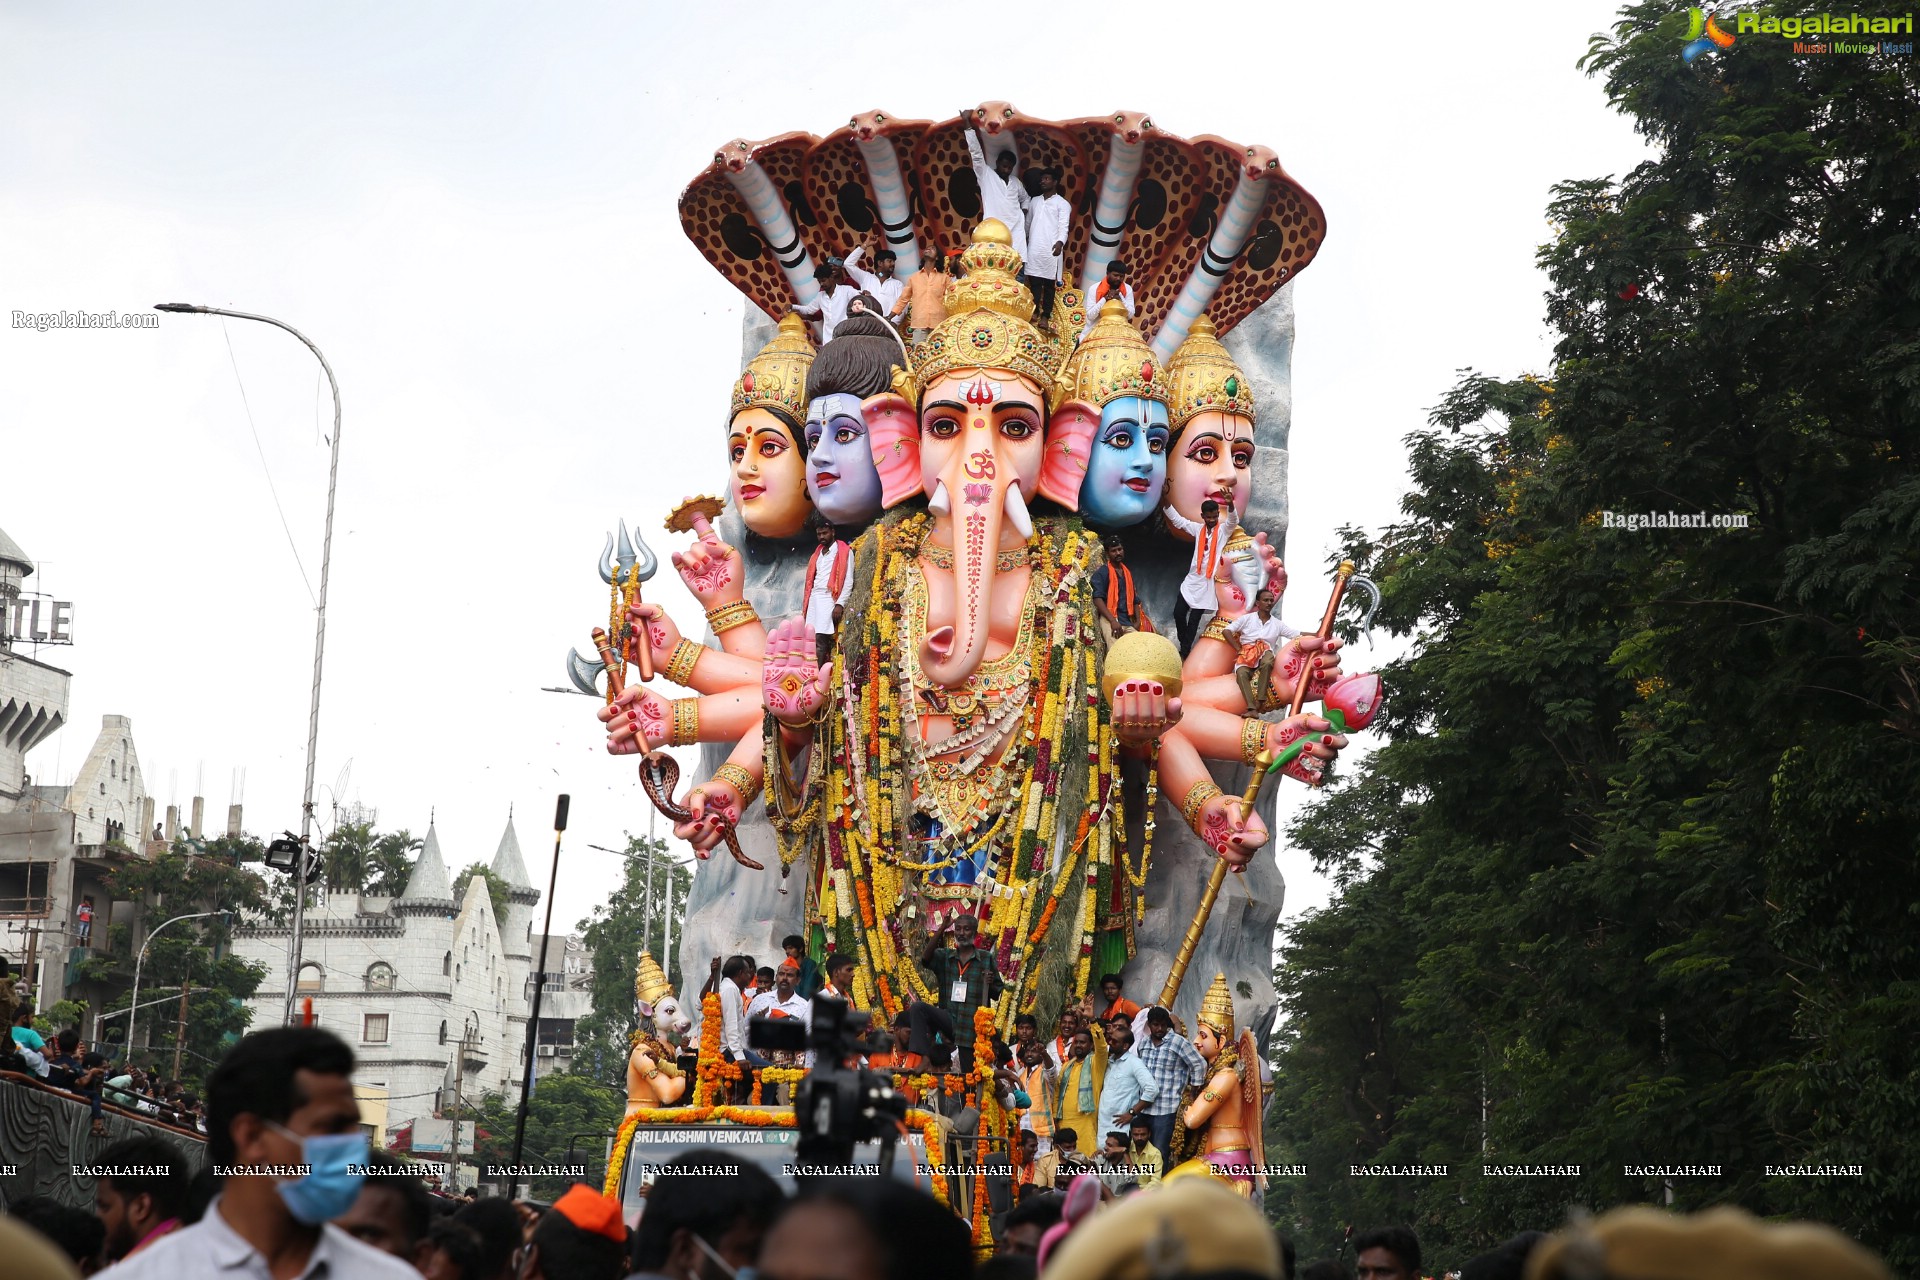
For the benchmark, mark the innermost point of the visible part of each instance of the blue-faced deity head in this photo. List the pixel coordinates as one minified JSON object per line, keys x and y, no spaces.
{"x":1127,"y":469}
{"x":841,"y":477}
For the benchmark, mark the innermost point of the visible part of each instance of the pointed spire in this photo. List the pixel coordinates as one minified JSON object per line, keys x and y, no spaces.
{"x":429,"y":881}
{"x":507,"y":862}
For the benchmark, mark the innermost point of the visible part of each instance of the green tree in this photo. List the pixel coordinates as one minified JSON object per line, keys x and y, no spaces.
{"x":361,"y":859}
{"x":615,"y":934}
{"x":569,"y":1121}
{"x":390,"y":863}
{"x":189,"y":877}
{"x":497,"y":889}
{"x":1632,"y":878}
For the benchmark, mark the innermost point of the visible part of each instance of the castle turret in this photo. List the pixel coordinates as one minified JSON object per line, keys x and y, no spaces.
{"x":429,"y":889}
{"x":516,"y":934}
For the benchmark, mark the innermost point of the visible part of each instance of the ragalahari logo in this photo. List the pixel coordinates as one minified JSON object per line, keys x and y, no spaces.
{"x":1703,"y":33}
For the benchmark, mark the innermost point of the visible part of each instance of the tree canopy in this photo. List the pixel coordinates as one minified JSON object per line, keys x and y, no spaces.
{"x":1633,"y":878}
{"x":615,"y":933}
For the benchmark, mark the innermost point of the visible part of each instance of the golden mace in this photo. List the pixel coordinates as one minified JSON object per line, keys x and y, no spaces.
{"x":1262,"y":765}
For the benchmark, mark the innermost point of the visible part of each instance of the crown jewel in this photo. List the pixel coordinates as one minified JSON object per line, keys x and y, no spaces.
{"x":1216,"y":1008}
{"x":989,"y":322}
{"x":1112,"y":361}
{"x":649,"y":983}
{"x":1203,"y":378}
{"x":777,"y":377}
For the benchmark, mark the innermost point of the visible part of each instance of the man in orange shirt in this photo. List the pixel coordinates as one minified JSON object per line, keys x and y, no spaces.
{"x":924,"y":301}
{"x":1117,"y":1005}
{"x":900,"y":1058}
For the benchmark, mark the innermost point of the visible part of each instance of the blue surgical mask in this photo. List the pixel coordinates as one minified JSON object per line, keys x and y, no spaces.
{"x":335,"y":1164}
{"x":732,"y":1273}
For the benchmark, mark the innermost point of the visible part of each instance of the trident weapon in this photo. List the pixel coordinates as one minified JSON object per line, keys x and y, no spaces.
{"x":1263,"y":764}
{"x":624,"y":572}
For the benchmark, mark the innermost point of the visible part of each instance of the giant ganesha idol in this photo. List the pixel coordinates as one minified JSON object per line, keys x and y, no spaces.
{"x":968,"y":742}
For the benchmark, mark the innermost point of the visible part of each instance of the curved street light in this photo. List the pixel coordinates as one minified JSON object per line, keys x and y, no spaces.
{"x":133,"y":1003}
{"x":294,"y":949}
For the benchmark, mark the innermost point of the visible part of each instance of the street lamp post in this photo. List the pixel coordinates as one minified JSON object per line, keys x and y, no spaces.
{"x":294,"y":954}
{"x":133,"y":1003}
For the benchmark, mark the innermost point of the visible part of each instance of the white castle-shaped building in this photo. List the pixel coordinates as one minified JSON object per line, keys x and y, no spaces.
{"x":431,"y":993}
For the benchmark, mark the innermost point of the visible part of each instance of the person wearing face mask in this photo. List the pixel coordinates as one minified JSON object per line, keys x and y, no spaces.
{"x":284,"y":1134}
{"x":581,"y":1237}
{"x":706,"y":1214}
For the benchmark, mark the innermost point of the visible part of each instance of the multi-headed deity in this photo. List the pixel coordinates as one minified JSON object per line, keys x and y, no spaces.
{"x":968,"y":748}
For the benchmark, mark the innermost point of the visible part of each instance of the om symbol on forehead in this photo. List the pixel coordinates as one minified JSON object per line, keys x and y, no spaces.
{"x":980,"y":466}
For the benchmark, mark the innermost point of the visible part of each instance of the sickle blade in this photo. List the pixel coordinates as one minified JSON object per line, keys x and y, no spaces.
{"x":1366,"y":584}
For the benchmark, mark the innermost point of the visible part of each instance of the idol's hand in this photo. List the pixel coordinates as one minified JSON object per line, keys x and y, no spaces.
{"x":661,"y":631}
{"x":638,"y":720}
{"x":711,"y":570}
{"x":1325,"y":656}
{"x":795,"y":684}
{"x":713,"y":809}
{"x":1230,"y":830}
{"x":1322,"y":746}
{"x":1142,"y":711}
{"x":1270,"y":560}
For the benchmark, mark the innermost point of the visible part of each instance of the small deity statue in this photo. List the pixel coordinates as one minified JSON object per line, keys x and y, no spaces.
{"x":764,"y":435}
{"x":654,"y":1079}
{"x":1219,"y":1126}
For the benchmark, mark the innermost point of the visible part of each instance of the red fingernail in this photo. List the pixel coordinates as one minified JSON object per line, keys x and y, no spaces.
{"x":1328,"y":739}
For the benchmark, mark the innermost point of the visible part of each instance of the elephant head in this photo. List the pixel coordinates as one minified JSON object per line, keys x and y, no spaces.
{"x":984,"y":380}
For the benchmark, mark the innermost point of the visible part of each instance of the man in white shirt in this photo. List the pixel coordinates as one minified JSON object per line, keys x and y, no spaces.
{"x":1197,"y":598}
{"x":785,"y":1001}
{"x":1260,"y":636}
{"x":880,"y":281}
{"x":829,"y":583}
{"x":1113,"y":286}
{"x":836,"y":293}
{"x":1002,"y":194}
{"x":1049,"y":223}
{"x":279,"y":1101}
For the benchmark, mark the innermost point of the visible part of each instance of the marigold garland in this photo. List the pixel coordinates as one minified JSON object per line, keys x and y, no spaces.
{"x":617,"y":1162}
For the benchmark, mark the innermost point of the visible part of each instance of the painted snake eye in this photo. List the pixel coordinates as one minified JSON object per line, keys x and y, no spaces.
{"x":1120,"y":119}
{"x":853,"y":122}
{"x":1007,"y":114}
{"x":1146,"y":123}
{"x":879,"y":117}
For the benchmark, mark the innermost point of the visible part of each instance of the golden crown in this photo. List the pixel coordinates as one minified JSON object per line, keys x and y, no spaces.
{"x":1216,"y":1008}
{"x":1204,"y":378}
{"x":989,"y":322}
{"x":777,"y":377}
{"x":649,"y":984}
{"x":1112,"y":361}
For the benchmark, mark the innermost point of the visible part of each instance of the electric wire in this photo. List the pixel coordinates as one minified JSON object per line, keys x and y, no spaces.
{"x":261,"y":450}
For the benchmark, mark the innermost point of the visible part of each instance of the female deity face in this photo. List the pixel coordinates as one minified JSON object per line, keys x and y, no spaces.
{"x":1206,"y":1041}
{"x":1127,"y":471}
{"x":1213,"y":458}
{"x":841,"y":477}
{"x":769,"y":474}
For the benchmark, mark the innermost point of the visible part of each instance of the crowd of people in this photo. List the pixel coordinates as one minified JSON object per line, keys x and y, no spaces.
{"x":1038,"y":218}
{"x":291,"y":1189}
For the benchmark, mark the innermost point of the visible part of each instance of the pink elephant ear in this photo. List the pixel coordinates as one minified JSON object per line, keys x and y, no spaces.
{"x":893,"y":433}
{"x":1070,"y":435}
{"x":1082,"y":1198}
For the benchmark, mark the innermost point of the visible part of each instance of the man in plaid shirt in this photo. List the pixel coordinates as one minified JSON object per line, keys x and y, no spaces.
{"x":1175,"y":1064}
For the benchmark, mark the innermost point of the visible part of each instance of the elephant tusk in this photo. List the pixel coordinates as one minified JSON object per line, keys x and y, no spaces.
{"x":939,"y":503}
{"x":1017,"y":511}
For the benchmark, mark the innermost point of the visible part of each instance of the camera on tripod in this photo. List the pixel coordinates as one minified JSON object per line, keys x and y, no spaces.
{"x":837,"y":1107}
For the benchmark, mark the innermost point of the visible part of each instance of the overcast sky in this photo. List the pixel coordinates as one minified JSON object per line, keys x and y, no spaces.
{"x":470,"y":208}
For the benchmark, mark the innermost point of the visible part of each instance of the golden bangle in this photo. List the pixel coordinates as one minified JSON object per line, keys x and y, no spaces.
{"x":1253,"y":739}
{"x":1216,"y":630}
{"x":740,"y":780}
{"x":686,"y":723}
{"x":725,"y":617}
{"x":686,"y":655}
{"x":1196,"y":798}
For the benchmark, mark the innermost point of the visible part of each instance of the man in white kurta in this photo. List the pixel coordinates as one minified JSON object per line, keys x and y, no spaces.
{"x":829,"y":583}
{"x":836,"y":293}
{"x":1002,"y":195}
{"x":880,"y":282}
{"x":1049,"y":220}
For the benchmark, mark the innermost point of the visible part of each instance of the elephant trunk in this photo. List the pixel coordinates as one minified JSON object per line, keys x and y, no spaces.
{"x":979,"y":509}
